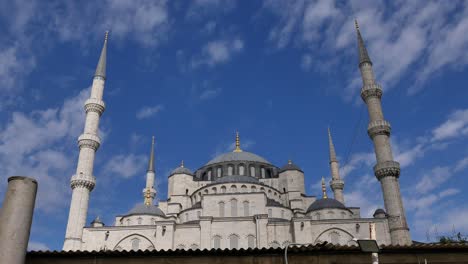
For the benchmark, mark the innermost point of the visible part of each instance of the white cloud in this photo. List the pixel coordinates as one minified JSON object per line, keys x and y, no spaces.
{"x":38,"y":144}
{"x":461,"y":165}
{"x":426,"y":36}
{"x":456,"y":125}
{"x":218,"y":52}
{"x":209,"y":93}
{"x":149,"y":111}
{"x":125,"y":166}
{"x":37,"y":246}
{"x":356,"y":161}
{"x":13,"y":67}
{"x":202,"y":8}
{"x":433,"y":179}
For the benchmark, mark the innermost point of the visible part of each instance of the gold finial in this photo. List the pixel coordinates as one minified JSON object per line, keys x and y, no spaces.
{"x":237,"y":143}
{"x":324,"y":189}
{"x":148,"y":196}
{"x":356,"y":24}
{"x":182,"y":164}
{"x":289,"y":162}
{"x":106,"y":35}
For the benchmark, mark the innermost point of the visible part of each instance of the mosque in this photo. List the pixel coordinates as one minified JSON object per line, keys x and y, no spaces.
{"x":238,"y":199}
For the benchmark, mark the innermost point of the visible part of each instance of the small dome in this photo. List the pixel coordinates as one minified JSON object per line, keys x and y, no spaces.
{"x":290,"y":166}
{"x":97,"y":220}
{"x":181,"y":170}
{"x":236,"y":178}
{"x":143,"y":209}
{"x":327,"y":203}
{"x":238,"y":156}
{"x":380,"y":213}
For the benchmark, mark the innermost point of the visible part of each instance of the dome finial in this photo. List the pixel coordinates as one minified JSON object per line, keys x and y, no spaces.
{"x":289,"y":161}
{"x":182,"y":164}
{"x":238,"y":149}
{"x":324,"y":189}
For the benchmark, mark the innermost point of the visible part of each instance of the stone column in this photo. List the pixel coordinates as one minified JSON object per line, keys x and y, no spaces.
{"x":16,"y":218}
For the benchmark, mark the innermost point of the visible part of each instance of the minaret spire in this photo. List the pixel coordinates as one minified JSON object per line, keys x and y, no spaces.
{"x":387,"y":171}
{"x":83,"y":181}
{"x":363,"y":55}
{"x":149,"y":192}
{"x":101,"y":66}
{"x":336,"y":184}
{"x":238,"y":149}
{"x":324,"y":189}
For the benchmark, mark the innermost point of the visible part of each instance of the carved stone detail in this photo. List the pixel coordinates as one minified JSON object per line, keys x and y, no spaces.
{"x":94,"y":105}
{"x":379,"y":127}
{"x":337,"y":184}
{"x":89,"y":141}
{"x":387,"y":168}
{"x":83,"y":181}
{"x":371,"y":90}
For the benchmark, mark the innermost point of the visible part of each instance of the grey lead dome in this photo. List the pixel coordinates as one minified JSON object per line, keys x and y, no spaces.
{"x":181,"y":170}
{"x":238,"y":156}
{"x":327,"y":203}
{"x":143,"y":209}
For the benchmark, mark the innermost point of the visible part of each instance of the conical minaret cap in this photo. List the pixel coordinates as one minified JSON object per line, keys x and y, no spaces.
{"x":151,"y":159}
{"x":331,"y":147}
{"x":101,"y":67}
{"x":363,"y":55}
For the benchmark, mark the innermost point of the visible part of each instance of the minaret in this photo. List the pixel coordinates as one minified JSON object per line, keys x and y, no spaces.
{"x":386,"y":170}
{"x":336,"y":184}
{"x":149,"y":192}
{"x":83,"y":182}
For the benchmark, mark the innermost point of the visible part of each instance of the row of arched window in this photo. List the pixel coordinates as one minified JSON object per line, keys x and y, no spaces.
{"x":138,"y":221}
{"x":234,"y":189}
{"x":329,"y":215}
{"x":241,"y":169}
{"x":192,"y":246}
{"x":233,"y":208}
{"x":233,"y":241}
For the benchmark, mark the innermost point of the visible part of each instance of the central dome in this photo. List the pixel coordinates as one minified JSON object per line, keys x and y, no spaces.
{"x":238,"y":156}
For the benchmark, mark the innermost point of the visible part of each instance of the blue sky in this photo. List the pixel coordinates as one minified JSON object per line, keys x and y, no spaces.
{"x":192,"y":73}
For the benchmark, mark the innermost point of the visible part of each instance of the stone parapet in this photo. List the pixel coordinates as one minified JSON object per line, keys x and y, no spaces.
{"x":387,"y":168}
{"x":337,"y":184}
{"x":371,"y":90}
{"x":89,"y":141}
{"x":378,"y":127}
{"x":83,"y":181}
{"x":94,"y":105}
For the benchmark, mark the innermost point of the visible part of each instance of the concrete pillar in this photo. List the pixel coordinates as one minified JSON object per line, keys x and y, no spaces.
{"x":16,"y":218}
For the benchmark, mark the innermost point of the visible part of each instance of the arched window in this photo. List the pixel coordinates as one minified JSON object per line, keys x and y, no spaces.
{"x":209,"y":175}
{"x":246,"y":208}
{"x":233,"y":207}
{"x":331,"y":215}
{"x":270,"y":213}
{"x":262,"y":172}
{"x":233,"y":241}
{"x":186,"y":217}
{"x":230,"y":170}
{"x":252,"y":171}
{"x":206,"y":191}
{"x":223,"y":189}
{"x":129,"y":222}
{"x":135,"y":244}
{"x":317,"y":216}
{"x":233,"y":188}
{"x":254,"y":189}
{"x":343,"y":215}
{"x":219,"y":172}
{"x":139,"y":220}
{"x":198,"y":214}
{"x":186,"y":191}
{"x":241,"y":170}
{"x":221,"y":209}
{"x":214,"y":190}
{"x":251,"y":241}
{"x":243,"y":188}
{"x":216,"y":242}
{"x":282,"y":213}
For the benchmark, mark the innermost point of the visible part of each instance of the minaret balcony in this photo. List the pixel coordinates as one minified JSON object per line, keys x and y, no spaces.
{"x":371,"y":90}
{"x":94,"y":105}
{"x":337,"y":184}
{"x":378,"y":127}
{"x":387,"y":168}
{"x":89,"y":141}
{"x":86,"y":181}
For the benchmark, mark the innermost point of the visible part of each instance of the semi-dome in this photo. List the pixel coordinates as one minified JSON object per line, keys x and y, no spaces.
{"x":143,"y":209}
{"x":238,"y":156}
{"x":236,"y":178}
{"x":326,"y":203}
{"x":290,"y":166}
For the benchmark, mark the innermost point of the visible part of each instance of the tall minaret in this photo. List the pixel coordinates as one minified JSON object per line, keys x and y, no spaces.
{"x":386,"y":170}
{"x":336,"y":183}
{"x":149,"y":192}
{"x":83,"y":182}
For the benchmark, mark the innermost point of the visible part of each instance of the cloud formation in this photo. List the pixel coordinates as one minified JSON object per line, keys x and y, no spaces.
{"x":149,"y":111}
